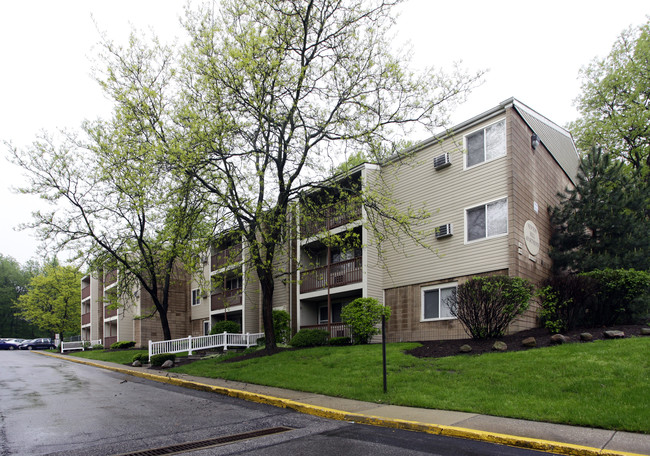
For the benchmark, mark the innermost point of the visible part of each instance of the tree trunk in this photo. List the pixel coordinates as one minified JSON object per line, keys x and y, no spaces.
{"x":167,"y":335}
{"x":267,"y":284}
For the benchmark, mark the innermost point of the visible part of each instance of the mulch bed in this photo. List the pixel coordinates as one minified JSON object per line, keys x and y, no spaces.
{"x":442,"y":348}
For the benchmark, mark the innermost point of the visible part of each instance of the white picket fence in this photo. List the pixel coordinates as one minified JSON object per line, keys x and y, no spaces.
{"x":78,"y":345}
{"x":189,"y":344}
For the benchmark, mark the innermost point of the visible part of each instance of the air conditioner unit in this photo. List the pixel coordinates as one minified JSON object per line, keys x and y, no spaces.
{"x":441,"y":161}
{"x":443,"y":231}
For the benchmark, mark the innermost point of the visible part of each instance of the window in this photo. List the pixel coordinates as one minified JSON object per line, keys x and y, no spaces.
{"x":206,"y":328}
{"x":196,"y":297}
{"x":487,"y":220}
{"x":486,"y":144}
{"x":436,"y":301}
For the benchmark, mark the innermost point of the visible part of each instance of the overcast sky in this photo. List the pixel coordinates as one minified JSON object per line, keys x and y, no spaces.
{"x":533,"y":51}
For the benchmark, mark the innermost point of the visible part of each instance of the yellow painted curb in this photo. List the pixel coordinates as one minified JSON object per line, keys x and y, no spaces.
{"x":395,"y":423}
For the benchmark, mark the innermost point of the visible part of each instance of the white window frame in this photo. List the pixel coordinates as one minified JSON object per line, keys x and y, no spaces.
{"x":196,"y":297}
{"x":467,"y":241}
{"x":484,"y":129}
{"x":438,"y":287}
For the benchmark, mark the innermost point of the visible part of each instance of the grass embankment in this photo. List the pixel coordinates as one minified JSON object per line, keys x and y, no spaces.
{"x":114,"y":356}
{"x":604,"y":384}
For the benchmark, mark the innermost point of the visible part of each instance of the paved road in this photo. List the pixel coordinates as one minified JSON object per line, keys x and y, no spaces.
{"x":51,"y":406}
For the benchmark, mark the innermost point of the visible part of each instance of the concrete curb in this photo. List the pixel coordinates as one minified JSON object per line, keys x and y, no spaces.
{"x":395,"y":423}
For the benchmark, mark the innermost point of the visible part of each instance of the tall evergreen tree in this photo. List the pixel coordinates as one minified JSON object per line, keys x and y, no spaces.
{"x":603,"y":221}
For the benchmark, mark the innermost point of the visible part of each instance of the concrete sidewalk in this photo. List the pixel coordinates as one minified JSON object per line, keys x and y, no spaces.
{"x":553,"y":438}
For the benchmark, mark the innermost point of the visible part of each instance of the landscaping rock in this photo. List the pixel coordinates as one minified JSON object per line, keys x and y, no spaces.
{"x":558,"y":339}
{"x":645,"y":331}
{"x":465,"y":348}
{"x":586,"y":337}
{"x":499,"y":346}
{"x":167,"y":364}
{"x":136,"y":363}
{"x":613,"y":334}
{"x":529,"y":342}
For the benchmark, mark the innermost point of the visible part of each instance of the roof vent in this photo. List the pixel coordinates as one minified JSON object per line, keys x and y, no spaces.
{"x":441,"y":161}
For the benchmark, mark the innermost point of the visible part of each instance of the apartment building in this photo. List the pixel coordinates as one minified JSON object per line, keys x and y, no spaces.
{"x":486,"y":185}
{"x":102,"y":320}
{"x":228,"y":289}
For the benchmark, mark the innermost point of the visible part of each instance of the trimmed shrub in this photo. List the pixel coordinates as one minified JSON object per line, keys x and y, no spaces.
{"x":309,"y":338}
{"x":340,"y":341}
{"x":159,"y":360}
{"x":568,"y":302}
{"x":623,"y":298}
{"x":487,"y":305}
{"x":363,"y":315}
{"x":142,"y":357}
{"x":228,"y":326}
{"x":97,"y":347}
{"x":281,"y":327}
{"x":123,"y":344}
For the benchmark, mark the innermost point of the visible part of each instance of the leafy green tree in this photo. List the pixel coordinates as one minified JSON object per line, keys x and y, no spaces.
{"x":273,"y":89}
{"x":615,"y":102}
{"x":603,"y":222}
{"x":53,"y":300}
{"x":14,"y":280}
{"x":115,"y":200}
{"x":363,"y":315}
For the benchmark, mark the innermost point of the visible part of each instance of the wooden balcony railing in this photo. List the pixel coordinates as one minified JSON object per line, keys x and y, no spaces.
{"x":226,"y":257}
{"x":85,"y":318}
{"x":227,"y":298}
{"x":109,"y":340}
{"x":110,"y":277}
{"x":108,"y":313}
{"x":85,"y":292}
{"x":336,"y":329}
{"x":331,"y":218}
{"x":341,"y":273}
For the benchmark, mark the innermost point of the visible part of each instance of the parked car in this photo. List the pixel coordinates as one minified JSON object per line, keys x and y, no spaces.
{"x":8,"y":344}
{"x":36,"y":344}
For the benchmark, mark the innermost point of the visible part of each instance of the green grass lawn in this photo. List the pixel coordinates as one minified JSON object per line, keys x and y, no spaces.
{"x":117,"y":356}
{"x":604,"y":384}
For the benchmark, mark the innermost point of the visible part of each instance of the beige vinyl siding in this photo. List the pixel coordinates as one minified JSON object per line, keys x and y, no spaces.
{"x":252,"y":301}
{"x":372,"y":268}
{"x":282,"y":282}
{"x":96,"y":310}
{"x":202,"y":311}
{"x":445,"y":194}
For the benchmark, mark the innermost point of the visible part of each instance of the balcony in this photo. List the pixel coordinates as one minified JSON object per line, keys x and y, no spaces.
{"x":331,"y":218}
{"x":108,"y":313}
{"x":110,"y":278}
{"x":85,"y":318}
{"x":110,"y":340}
{"x":341,"y":273}
{"x":226,"y":257}
{"x":336,"y":329}
{"x":226,"y":299}
{"x":85,"y":292}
